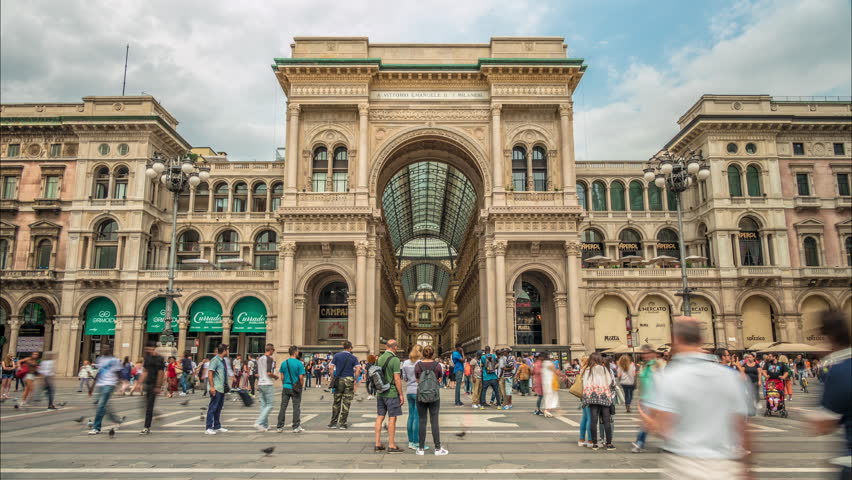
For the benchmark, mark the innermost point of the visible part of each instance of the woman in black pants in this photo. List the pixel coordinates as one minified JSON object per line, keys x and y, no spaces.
{"x":597,"y":395}
{"x":428,"y":363}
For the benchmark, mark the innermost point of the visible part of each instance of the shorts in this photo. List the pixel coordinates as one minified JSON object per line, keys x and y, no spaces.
{"x":509,"y":381}
{"x":8,"y":375}
{"x":388,"y":406}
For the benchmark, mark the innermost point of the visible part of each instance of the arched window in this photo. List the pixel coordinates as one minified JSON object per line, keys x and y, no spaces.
{"x":266,"y":250}
{"x":667,"y":243}
{"x":629,"y":243}
{"x":277,"y":193}
{"x":655,"y":198}
{"x":320,"y":169}
{"x":106,"y":244}
{"x":44,"y":251}
{"x":220,"y":198}
{"x":849,"y":251}
{"x":735,"y":187}
{"x":592,"y":245}
{"x":539,"y":169}
{"x":616,"y":196}
{"x":671,"y":199}
{"x":753,"y":181}
{"x":121,"y":176}
{"x":599,"y":196}
{"x":202,"y":197}
{"x":227,"y":245}
{"x":333,"y":309}
{"x":751,"y":248}
{"x":637,"y":196}
{"x":424,"y":317}
{"x":4,"y":253}
{"x":258,"y":198}
{"x":101,"y":183}
{"x":811,"y":252}
{"x":582,"y":195}
{"x":188,"y":246}
{"x":519,"y":169}
{"x":340,"y":170}
{"x":240,"y":197}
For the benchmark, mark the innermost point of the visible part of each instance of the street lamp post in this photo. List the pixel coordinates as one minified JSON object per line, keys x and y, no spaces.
{"x":676,"y":174}
{"x":176,"y":174}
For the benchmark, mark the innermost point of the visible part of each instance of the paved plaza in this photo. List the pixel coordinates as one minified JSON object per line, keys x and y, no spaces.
{"x":514,"y":444}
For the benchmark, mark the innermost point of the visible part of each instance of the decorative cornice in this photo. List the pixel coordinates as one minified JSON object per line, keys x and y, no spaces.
{"x":288,"y":249}
{"x":499,"y":248}
{"x":294,"y":109}
{"x":473,"y":114}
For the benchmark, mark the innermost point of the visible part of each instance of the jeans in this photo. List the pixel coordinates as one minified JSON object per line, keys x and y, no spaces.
{"x":84,"y":382}
{"x":494,"y":389}
{"x":432,"y":410}
{"x":267,"y":397}
{"x":640,"y":438}
{"x":150,"y":397}
{"x":413,"y":425}
{"x":49,"y":388}
{"x":538,"y":403}
{"x":628,"y":394}
{"x":288,"y":394}
{"x":458,"y":375}
{"x":184,"y":383}
{"x":308,"y":377}
{"x":214,"y":410}
{"x":524,"y":386}
{"x":104,"y":392}
{"x":585,"y":421}
{"x":597,"y":412}
{"x":467,"y":384}
{"x":252,"y":379}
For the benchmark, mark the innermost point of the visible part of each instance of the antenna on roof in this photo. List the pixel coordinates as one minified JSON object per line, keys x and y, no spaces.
{"x":124,"y":83}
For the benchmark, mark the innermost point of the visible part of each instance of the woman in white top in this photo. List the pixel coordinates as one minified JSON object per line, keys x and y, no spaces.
{"x":549,"y":387}
{"x":413,"y":426}
{"x":626,"y":374}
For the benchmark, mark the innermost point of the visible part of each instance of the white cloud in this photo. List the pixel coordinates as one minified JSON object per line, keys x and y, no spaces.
{"x":783,"y":47}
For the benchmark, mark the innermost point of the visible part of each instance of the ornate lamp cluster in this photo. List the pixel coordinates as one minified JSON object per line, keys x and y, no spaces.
{"x":177,"y":172}
{"x":676,"y":173}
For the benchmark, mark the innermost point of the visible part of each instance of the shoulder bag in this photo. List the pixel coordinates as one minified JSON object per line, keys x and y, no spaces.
{"x":577,"y":388}
{"x":295,"y":381}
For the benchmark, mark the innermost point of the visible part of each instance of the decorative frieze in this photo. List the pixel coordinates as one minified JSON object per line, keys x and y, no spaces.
{"x":530,"y":90}
{"x":328,"y":90}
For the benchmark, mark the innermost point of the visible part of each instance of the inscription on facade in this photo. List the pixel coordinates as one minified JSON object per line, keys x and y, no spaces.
{"x":429,"y":95}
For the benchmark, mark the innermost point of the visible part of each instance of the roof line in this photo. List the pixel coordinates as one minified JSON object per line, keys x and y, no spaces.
{"x":573,"y":62}
{"x":785,"y":118}
{"x":70,"y":119}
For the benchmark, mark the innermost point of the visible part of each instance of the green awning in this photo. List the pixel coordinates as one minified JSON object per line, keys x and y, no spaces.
{"x":205,"y":315}
{"x":156,"y":315}
{"x":249,"y":316}
{"x":100,"y":317}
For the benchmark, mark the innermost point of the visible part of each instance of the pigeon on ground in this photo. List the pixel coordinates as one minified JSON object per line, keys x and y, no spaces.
{"x":461,"y":434}
{"x":16,"y":406}
{"x":111,"y":433}
{"x":322,"y":397}
{"x":61,"y":404}
{"x":203,"y":408}
{"x":202,"y":417}
{"x":359,"y":399}
{"x":80,"y":420}
{"x":268,"y":451}
{"x":184,"y":403}
{"x":89,"y":423}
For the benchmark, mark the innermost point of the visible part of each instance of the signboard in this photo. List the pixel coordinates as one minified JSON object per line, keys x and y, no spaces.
{"x":703,"y":312}
{"x":811,"y":309}
{"x":30,"y":344}
{"x":757,"y":321}
{"x":610,"y":313}
{"x":429,"y":95}
{"x":653,"y":325}
{"x":156,"y":315}
{"x":100,"y":317}
{"x":205,"y":315}
{"x":193,"y":350}
{"x":333,"y":320}
{"x":249,"y":316}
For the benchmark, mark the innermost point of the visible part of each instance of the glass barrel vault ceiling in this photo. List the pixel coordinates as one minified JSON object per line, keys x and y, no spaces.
{"x":428,"y":207}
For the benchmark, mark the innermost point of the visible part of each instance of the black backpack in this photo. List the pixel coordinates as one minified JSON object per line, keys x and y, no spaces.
{"x":428,"y":388}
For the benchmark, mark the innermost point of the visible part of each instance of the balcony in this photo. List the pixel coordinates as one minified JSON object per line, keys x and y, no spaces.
{"x":47,"y":205}
{"x":97,"y":274}
{"x":647,"y":273}
{"x":826,"y":276}
{"x":523,"y":199}
{"x":211,"y":275}
{"x":10,"y":205}
{"x":758,"y":276}
{"x":28,"y":278}
{"x":843,"y":203}
{"x":806,"y":203}
{"x":325,"y":199}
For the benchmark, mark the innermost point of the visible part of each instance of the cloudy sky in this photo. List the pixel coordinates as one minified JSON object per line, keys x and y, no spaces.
{"x":208,"y":62}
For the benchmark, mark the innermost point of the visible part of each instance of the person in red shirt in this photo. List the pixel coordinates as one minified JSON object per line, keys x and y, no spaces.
{"x":171,"y":375}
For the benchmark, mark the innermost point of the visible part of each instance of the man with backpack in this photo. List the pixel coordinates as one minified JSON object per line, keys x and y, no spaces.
{"x":489,"y":376}
{"x":342,"y":382}
{"x":389,"y":396}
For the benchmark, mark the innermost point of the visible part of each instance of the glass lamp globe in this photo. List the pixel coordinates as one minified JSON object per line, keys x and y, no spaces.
{"x":164,"y":179}
{"x":649,"y":174}
{"x":204,"y":175}
{"x":158,"y":167}
{"x":194,"y":180}
{"x":187,"y":168}
{"x":692,"y":167}
{"x":666,"y":167}
{"x":660,"y":181}
{"x":703,"y":174}
{"x":151,"y":173}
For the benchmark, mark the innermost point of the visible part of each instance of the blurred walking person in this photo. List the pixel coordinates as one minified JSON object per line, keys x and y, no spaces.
{"x":105,"y":382}
{"x":537,"y":369}
{"x":699,"y":408}
{"x":186,"y":371}
{"x":28,"y":369}
{"x":46,"y":370}
{"x":652,"y":365}
{"x":153,"y":370}
{"x":549,"y":386}
{"x":8,"y":375}
{"x":266,"y":387}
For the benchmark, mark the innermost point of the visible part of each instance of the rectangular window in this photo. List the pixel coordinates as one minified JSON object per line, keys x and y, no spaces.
{"x":839,"y":149}
{"x":519,"y":181}
{"x":802,"y":184}
{"x":318,"y":182}
{"x":55,"y":149}
{"x":51,"y":187}
{"x":120,"y":191}
{"x":10,"y":188}
{"x":539,"y":181}
{"x":220,"y":204}
{"x":266,"y":262}
{"x":843,"y":184}
{"x":14,"y":150}
{"x":340,"y":181}
{"x":105,"y":256}
{"x":798,"y":149}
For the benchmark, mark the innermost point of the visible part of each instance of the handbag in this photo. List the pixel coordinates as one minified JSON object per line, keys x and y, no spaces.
{"x":577,"y":388}
{"x":297,"y":384}
{"x":617,"y":394}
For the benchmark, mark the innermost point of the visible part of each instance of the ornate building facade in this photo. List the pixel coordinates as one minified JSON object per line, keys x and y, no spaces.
{"x":429,"y":194}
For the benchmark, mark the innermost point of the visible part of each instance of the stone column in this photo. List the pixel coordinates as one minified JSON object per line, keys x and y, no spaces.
{"x":483,"y":301}
{"x":183,"y":328}
{"x":287,"y":253}
{"x":500,"y":291}
{"x":14,"y":327}
{"x":572,"y":279}
{"x":191,"y":200}
{"x":353,"y":322}
{"x":490,"y":288}
{"x":362,"y":294}
{"x":226,"y":329}
{"x":497,"y":147}
{"x":48,"y":336}
{"x":371,"y":324}
{"x":363,"y":155}
{"x":561,"y":301}
{"x":299,"y":320}
{"x":292,"y":147}
{"x":566,"y":135}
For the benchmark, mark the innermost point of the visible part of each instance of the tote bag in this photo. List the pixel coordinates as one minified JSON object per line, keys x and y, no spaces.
{"x":577,"y":388}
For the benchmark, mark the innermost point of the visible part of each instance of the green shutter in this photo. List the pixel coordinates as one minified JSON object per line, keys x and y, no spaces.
{"x":616,"y":194}
{"x":753,"y":181}
{"x":637,"y":201}
{"x":672,"y":200}
{"x":156,"y":315}
{"x":205,"y":315}
{"x":100,"y":317}
{"x":249,"y":316}
{"x":735,"y":187}
{"x":655,"y":201}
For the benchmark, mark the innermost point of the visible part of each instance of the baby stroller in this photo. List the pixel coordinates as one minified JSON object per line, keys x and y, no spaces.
{"x":775,"y":398}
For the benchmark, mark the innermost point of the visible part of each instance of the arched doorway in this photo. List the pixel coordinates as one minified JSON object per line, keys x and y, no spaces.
{"x":702,"y":310}
{"x":327,"y":316}
{"x":205,"y":325}
{"x":653,"y":321}
{"x":155,"y":319}
{"x":811,"y":309}
{"x":249,"y":326}
{"x":535,"y":312}
{"x":35,"y":332}
{"x":610,"y":323}
{"x":758,"y":319}
{"x":98,"y":318}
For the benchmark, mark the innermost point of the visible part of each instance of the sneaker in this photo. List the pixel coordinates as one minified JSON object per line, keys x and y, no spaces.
{"x":610,"y":447}
{"x":145,"y":431}
{"x":279,"y":430}
{"x":420,"y":451}
{"x":51,"y":407}
{"x":370,"y":397}
{"x":298,"y":430}
{"x":332,"y":426}
{"x":181,"y":394}
{"x":595,"y":447}
{"x":636,"y":448}
{"x":581,"y":443}
{"x":94,"y":432}
{"x":261,"y":428}
{"x":589,"y":445}
{"x":221,"y":429}
{"x":210,"y":431}
{"x":411,"y":446}
{"x":441,"y":451}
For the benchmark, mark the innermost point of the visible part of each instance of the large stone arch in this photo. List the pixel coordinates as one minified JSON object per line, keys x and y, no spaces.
{"x":51,"y":302}
{"x":308,"y":276}
{"x":773,"y":301}
{"x":593,"y":302}
{"x":548,"y":271}
{"x":309,"y":288}
{"x":83,"y":301}
{"x":831,"y":301}
{"x":451,"y":136}
{"x":228,"y":307}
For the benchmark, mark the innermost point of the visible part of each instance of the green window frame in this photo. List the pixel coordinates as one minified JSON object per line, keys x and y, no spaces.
{"x":735,"y":182}
{"x":753,"y":181}
{"x":637,"y":196}
{"x":671,"y":200}
{"x":598,"y":196}
{"x":616,"y":196}
{"x":582,"y":195}
{"x":655,"y":198}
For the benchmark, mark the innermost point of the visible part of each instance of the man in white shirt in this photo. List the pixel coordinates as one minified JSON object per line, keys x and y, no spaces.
{"x":108,"y":368}
{"x":265,"y":377}
{"x":46,"y":371}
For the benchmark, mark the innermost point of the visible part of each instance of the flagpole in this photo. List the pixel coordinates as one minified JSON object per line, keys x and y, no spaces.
{"x":124,"y":83}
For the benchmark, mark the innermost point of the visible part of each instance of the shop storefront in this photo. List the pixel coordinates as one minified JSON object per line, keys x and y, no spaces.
{"x":333,"y":323}
{"x":812,"y":307}
{"x":528,"y":316}
{"x":205,"y":321}
{"x":99,"y":329}
{"x":757,"y":322}
{"x":249,"y":326}
{"x":155,"y":319}
{"x":703,"y":312}
{"x":610,"y":323}
{"x":653,"y":321}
